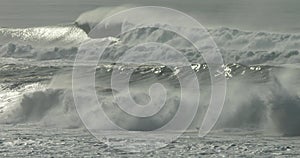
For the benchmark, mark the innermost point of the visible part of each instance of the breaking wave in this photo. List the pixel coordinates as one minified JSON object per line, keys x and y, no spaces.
{"x":258,"y":97}
{"x":47,"y":36}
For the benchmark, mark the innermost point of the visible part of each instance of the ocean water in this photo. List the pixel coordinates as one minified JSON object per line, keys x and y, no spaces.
{"x":38,"y":115}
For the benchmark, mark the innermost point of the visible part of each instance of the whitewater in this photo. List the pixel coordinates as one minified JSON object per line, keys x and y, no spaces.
{"x":38,"y":115}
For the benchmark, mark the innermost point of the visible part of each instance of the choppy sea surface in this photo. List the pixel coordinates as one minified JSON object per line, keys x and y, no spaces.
{"x":33,"y":141}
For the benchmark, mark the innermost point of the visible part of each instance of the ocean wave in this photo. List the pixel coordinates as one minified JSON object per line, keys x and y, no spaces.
{"x":63,"y":41}
{"x":259,"y":97}
{"x":236,"y":46}
{"x":46,"y":36}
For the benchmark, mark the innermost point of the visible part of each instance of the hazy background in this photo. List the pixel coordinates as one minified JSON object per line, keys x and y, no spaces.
{"x":271,"y":15}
